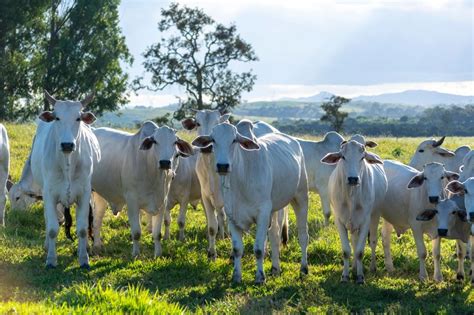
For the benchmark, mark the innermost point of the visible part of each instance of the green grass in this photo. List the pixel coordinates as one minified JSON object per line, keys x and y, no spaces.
{"x":183,"y":280}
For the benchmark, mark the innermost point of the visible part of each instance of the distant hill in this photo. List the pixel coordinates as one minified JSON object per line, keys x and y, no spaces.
{"x":417,"y":97}
{"x":320,"y":97}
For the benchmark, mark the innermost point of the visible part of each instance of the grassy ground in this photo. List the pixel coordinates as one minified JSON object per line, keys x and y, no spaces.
{"x":183,"y":280}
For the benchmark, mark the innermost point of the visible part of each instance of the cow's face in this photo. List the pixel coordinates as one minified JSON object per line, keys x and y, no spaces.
{"x":66,"y":119}
{"x":19,"y":199}
{"x":352,"y":157}
{"x":467,"y":189}
{"x":225,"y":139}
{"x":434,"y":176}
{"x":429,"y":151}
{"x":446,"y":214}
{"x":167,"y":147}
{"x":204,"y":121}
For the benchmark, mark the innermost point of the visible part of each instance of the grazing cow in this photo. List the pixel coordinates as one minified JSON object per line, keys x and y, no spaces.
{"x":356,"y":187}
{"x":24,"y":193}
{"x":136,"y":170}
{"x":212,"y":201}
{"x":432,"y":151}
{"x":409,"y":193}
{"x":62,"y":158}
{"x":258,"y":178}
{"x":4,"y":169}
{"x":451,"y":223}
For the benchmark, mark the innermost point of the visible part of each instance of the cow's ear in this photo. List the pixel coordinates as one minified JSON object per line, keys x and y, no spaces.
{"x":331,"y":158}
{"x":247,"y":143}
{"x":443,"y":152}
{"x":184,"y":148}
{"x":427,"y":215}
{"x":451,"y":175}
{"x":202,"y":141}
{"x":417,"y":181}
{"x":371,"y":144}
{"x":373,"y":158}
{"x":462,"y":215}
{"x":147,"y":143}
{"x":224,"y":118}
{"x":88,"y":118}
{"x":456,"y":187}
{"x":189,"y":123}
{"x":47,"y":116}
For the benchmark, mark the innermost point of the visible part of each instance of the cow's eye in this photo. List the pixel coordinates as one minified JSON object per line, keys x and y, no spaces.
{"x":424,"y":178}
{"x":421,"y":151}
{"x":442,"y":177}
{"x":17,"y":198}
{"x":343,"y":158}
{"x":78,"y":119}
{"x":198,"y":124}
{"x":57,"y":118}
{"x":465,"y":191}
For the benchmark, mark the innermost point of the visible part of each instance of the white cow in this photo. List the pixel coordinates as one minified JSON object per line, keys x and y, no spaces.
{"x":357,"y":186}
{"x":4,"y":169}
{"x":24,"y":193}
{"x":431,"y":151}
{"x":212,"y":200}
{"x":256,"y":180}
{"x":62,"y":158}
{"x":136,"y":170}
{"x":409,"y":193}
{"x":467,"y":168}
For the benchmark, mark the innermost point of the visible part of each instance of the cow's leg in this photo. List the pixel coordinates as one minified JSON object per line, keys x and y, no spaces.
{"x":183,"y":207}
{"x":275,"y":240}
{"x":461,"y":256}
{"x":133,"y":213}
{"x":211,"y":228}
{"x":354,"y":240}
{"x":346,"y":249}
{"x":99,"y":208}
{"x":52,"y":228}
{"x":263,"y":222}
{"x":149,"y":221}
{"x":3,"y":200}
{"x":386,"y":242}
{"x":359,"y":251}
{"x":157,"y":222}
{"x":421,"y":251}
{"x":436,"y":243}
{"x":373,"y":237}
{"x":300,"y":206}
{"x":167,"y":221}
{"x":82,"y":224}
{"x":238,"y":251}
{"x":472,"y":255}
{"x":221,"y":219}
{"x":325,"y":204}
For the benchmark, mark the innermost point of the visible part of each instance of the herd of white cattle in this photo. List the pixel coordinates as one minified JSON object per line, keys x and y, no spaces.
{"x":243,"y":174}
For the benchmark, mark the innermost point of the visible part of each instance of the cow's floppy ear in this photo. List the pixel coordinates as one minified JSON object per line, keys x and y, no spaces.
{"x":417,"y":181}
{"x":462,"y":215}
{"x":247,"y":143}
{"x":189,"y":123}
{"x":331,"y":158}
{"x":51,"y":100}
{"x":455,"y":187}
{"x":88,"y":118}
{"x":444,"y":152}
{"x":371,"y":144}
{"x":372,"y":158}
{"x":184,"y":148}
{"x":451,"y":175}
{"x":202,"y":141}
{"x":224,"y":118}
{"x":147,"y":143}
{"x":47,"y":116}
{"x":427,"y":215}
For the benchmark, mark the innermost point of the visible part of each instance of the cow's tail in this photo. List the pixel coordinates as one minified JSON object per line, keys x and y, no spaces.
{"x":91,"y":221}
{"x":68,"y":223}
{"x":284,"y":228}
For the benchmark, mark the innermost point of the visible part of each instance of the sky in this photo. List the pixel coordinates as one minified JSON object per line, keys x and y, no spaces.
{"x":346,"y":47}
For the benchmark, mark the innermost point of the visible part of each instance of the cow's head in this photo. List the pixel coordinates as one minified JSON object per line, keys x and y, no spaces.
{"x":435,"y":177}
{"x":361,"y":139}
{"x":167,"y":147}
{"x":467,"y":189}
{"x":352,"y":157}
{"x":67,"y":117}
{"x":430,"y":151}
{"x":225,"y":138}
{"x":447,"y":214}
{"x":19,"y":199}
{"x":204,"y":121}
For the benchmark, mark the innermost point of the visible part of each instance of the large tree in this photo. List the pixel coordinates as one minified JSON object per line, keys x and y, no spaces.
{"x":332,"y":113}
{"x":196,"y":53}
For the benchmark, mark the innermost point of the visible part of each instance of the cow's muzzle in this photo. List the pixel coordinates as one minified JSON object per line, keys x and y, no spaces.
{"x":442,"y":232}
{"x":222,"y":168}
{"x":67,"y":147}
{"x":353,"y":181}
{"x":165,"y":164}
{"x":471,"y":217}
{"x":433,"y":199}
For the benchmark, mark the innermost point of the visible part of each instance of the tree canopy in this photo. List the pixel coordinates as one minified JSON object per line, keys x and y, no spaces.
{"x":332,"y":113}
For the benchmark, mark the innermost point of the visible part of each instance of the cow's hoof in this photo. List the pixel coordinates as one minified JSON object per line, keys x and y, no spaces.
{"x":86,"y":266}
{"x":373,"y":268}
{"x":260,"y":278}
{"x":50,"y":266}
{"x":304,"y":270}
{"x":360,"y":279}
{"x":276,"y":271}
{"x":460,"y":277}
{"x":344,"y":279}
{"x":438,"y":278}
{"x":211,"y":256}
{"x":236,"y":278}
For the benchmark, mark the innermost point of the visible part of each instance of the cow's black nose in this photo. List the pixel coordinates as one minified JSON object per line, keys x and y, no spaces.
{"x":434,"y":199}
{"x":67,"y":146}
{"x":442,"y":232}
{"x":222,"y":168}
{"x":353,"y":181}
{"x":471,"y":217}
{"x":165,"y":164}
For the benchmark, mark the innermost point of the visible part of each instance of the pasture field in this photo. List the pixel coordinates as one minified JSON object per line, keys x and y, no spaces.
{"x":184,"y":281}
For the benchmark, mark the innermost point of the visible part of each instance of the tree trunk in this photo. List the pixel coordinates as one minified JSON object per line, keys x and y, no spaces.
{"x":200,"y":103}
{"x":47,"y":84}
{"x":3,"y":92}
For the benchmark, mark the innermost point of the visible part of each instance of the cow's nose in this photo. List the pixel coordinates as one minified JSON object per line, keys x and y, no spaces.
{"x":67,"y":146}
{"x":222,"y":168}
{"x":165,"y":164}
{"x":471,"y":217}
{"x":433,"y":199}
{"x":442,"y":232}
{"x":353,"y":181}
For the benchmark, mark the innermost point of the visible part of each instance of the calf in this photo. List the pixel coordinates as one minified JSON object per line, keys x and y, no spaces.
{"x":62,"y":158}
{"x":258,"y":178}
{"x":356,"y":187}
